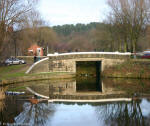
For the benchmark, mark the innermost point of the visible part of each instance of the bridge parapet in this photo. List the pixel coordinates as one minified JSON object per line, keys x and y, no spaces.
{"x":77,"y":55}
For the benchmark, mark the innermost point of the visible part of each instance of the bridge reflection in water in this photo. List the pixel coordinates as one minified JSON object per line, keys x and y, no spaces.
{"x":84,"y":88}
{"x":135,"y":113}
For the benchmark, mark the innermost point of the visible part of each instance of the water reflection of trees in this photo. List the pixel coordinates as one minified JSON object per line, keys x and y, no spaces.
{"x":35,"y":114}
{"x":122,"y":114}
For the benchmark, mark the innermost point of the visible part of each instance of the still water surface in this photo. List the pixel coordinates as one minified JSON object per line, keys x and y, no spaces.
{"x":18,"y":110}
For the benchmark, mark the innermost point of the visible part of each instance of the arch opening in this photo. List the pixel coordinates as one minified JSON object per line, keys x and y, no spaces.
{"x":88,"y":76}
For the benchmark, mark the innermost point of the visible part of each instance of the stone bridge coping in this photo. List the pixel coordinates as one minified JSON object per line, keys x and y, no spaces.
{"x":84,"y":53}
{"x":34,"y":64}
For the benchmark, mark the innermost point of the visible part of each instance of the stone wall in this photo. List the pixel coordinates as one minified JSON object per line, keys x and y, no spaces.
{"x":106,"y":63}
{"x":69,"y":65}
{"x":62,"y":66}
{"x":41,"y":67}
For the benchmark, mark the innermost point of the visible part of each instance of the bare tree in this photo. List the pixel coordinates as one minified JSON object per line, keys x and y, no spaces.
{"x":34,"y":30}
{"x":131,"y":18}
{"x":11,"y":13}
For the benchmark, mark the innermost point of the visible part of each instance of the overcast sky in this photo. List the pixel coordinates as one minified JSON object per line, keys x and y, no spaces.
{"x":59,"y":12}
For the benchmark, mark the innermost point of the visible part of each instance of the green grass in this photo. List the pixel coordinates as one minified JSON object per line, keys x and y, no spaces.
{"x":6,"y":69}
{"x":14,"y":71}
{"x":13,"y":75}
{"x":7,"y":72}
{"x":17,"y":88}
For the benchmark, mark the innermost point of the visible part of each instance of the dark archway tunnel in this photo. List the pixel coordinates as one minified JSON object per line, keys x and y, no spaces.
{"x":88,"y":75}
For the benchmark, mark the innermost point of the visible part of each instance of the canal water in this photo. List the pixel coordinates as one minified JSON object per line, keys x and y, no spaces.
{"x":20,"y":110}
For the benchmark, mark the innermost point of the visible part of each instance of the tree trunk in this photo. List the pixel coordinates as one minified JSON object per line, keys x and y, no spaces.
{"x":2,"y":35}
{"x":120,"y":47}
{"x":134,"y":46}
{"x":125,"y":46}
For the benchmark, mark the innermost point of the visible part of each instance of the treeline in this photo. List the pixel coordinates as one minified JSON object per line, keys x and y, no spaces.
{"x":126,"y":29}
{"x":101,"y":37}
{"x":68,"y":29}
{"x":79,"y":37}
{"x":129,"y":20}
{"x":98,"y":37}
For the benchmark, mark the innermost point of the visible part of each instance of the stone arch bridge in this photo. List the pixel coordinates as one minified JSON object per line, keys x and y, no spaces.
{"x":66,"y":62}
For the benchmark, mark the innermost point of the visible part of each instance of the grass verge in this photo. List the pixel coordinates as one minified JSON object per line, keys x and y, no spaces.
{"x":13,"y":71}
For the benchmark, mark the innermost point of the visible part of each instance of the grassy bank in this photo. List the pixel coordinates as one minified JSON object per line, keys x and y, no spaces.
{"x":129,"y":69}
{"x":16,"y":74}
{"x":7,"y":72}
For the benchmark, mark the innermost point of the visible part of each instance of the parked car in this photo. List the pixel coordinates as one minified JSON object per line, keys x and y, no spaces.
{"x":146,"y":56}
{"x":13,"y":61}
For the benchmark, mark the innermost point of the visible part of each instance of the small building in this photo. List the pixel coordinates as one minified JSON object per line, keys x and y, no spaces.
{"x":35,"y":50}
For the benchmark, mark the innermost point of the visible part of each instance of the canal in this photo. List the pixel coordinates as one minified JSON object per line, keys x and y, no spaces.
{"x":23,"y":110}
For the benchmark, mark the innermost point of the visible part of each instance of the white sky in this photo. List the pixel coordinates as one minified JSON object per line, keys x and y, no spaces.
{"x":59,"y":12}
